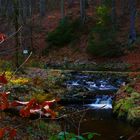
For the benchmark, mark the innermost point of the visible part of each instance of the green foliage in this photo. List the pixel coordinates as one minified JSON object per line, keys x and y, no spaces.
{"x":134,"y":116}
{"x":65,"y":33}
{"x":103,"y":16}
{"x":122,"y":106}
{"x":35,"y":63}
{"x":135,"y":95}
{"x":6,"y":65}
{"x":107,"y":3}
{"x":71,"y":136}
{"x":102,"y":39}
{"x":44,"y":130}
{"x":100,"y":46}
{"x":129,"y":89}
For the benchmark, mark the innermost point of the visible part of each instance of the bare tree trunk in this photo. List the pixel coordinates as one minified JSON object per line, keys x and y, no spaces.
{"x":16,"y":24}
{"x":42,"y":7}
{"x":114,"y":14}
{"x":132,"y":35}
{"x":62,"y":9}
{"x":82,"y":10}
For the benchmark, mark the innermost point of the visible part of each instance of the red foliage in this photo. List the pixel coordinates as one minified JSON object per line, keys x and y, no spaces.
{"x":2,"y":132}
{"x":11,"y":132}
{"x":4,"y":101}
{"x":29,"y":108}
{"x":2,"y":37}
{"x":52,"y":113}
{"x":25,"y":112}
{"x":3,"y":79}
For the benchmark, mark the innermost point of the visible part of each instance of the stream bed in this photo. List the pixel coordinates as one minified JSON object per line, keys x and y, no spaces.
{"x":95,"y":93}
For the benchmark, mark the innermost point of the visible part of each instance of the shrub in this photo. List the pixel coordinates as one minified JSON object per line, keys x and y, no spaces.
{"x":65,"y":33}
{"x":102,"y":39}
{"x":100,"y":46}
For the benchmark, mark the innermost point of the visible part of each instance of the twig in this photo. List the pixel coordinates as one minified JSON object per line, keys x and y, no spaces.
{"x":21,"y":65}
{"x":135,"y":134}
{"x":79,"y":125}
{"x":74,"y":113}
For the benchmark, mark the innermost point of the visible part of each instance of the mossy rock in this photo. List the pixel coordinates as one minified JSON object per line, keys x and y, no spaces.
{"x":134,"y":116}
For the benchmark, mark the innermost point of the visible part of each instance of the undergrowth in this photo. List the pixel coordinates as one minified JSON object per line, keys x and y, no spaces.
{"x":66,"y":32}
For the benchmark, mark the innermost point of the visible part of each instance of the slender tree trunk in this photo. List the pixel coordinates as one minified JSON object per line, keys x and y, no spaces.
{"x":42,"y":8}
{"x":0,"y":7}
{"x":10,"y":9}
{"x":114,"y":15}
{"x":82,"y":10}
{"x":62,"y":9}
{"x":132,"y":35}
{"x":16,"y":24}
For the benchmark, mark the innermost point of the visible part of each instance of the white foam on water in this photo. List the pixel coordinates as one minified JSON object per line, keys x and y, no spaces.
{"x":101,"y":106}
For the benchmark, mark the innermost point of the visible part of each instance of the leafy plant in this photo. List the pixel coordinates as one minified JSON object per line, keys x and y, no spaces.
{"x":71,"y":136}
{"x":129,"y":89}
{"x":122,"y":106}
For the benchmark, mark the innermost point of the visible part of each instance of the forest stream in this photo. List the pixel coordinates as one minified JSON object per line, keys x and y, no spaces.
{"x":96,"y":92}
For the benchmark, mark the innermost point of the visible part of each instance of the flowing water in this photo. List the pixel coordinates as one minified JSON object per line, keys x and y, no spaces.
{"x":97,"y":93}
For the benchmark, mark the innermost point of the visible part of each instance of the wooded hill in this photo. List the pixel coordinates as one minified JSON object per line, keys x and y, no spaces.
{"x":75,"y":29}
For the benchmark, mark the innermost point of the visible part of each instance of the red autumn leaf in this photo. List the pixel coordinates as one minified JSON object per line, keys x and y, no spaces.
{"x":4,"y":106}
{"x":2,"y":132}
{"x":31,"y":103}
{"x":52,"y":113}
{"x":25,"y":112}
{"x":2,"y":37}
{"x":4,"y":103}
{"x":3,"y":79}
{"x":49,"y":103}
{"x":12,"y":134}
{"x":7,"y":130}
{"x":14,"y":104}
